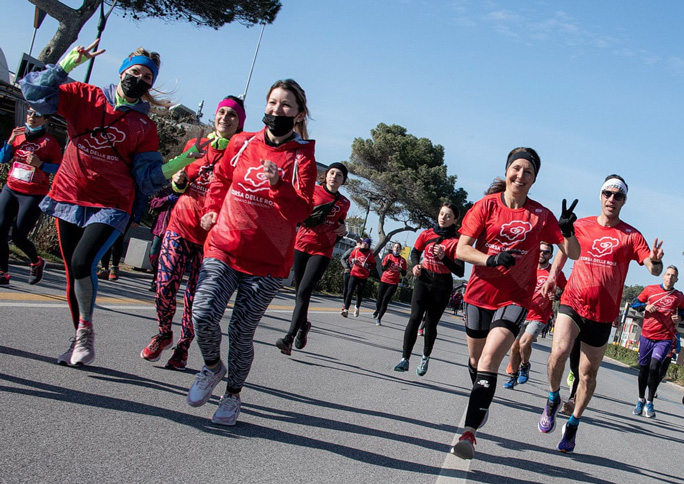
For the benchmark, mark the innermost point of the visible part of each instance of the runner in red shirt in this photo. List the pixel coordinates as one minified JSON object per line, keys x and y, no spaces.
{"x":500,"y":236}
{"x":316,"y":238}
{"x":362,"y":262}
{"x":591,"y":300}
{"x":432,"y":285}
{"x":664,"y":308}
{"x":538,"y":317}
{"x":33,"y":154}
{"x":394,"y":268}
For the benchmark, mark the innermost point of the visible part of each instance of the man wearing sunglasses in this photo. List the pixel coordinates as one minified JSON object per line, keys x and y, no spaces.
{"x":539,"y":314}
{"x":591,"y":300}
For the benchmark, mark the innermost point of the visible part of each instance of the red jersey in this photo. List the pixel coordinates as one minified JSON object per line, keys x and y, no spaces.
{"x":186,"y":215}
{"x":361,"y":261}
{"x":498,"y":228}
{"x":395,"y":264}
{"x":594,"y":289}
{"x":28,"y":179}
{"x":541,"y":308}
{"x":427,"y":242}
{"x":255,"y":230}
{"x":320,"y":240}
{"x":96,"y":168}
{"x":658,"y":325}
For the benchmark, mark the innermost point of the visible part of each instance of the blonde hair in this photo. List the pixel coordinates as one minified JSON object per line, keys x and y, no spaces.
{"x":155,"y":97}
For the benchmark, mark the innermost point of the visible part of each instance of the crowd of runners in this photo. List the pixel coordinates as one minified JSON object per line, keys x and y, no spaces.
{"x":240,"y":209}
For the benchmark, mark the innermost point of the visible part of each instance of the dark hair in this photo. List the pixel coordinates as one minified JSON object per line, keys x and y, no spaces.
{"x":300,"y":95}
{"x":618,"y":177}
{"x":242,"y":105}
{"x":452,"y":207}
{"x":548,"y":244}
{"x":674,"y":268}
{"x":497,"y":186}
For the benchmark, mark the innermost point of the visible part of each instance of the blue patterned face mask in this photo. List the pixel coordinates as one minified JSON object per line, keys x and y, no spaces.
{"x":31,"y":130}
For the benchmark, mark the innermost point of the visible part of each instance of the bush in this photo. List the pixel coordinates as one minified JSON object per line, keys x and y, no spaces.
{"x":332,"y":279}
{"x":620,"y":353}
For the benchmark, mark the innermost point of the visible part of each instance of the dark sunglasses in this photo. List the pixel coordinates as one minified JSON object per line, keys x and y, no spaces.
{"x":33,"y":114}
{"x":619,"y":196}
{"x":545,"y":251}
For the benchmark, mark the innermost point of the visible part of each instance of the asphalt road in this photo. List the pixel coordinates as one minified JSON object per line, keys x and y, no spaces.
{"x":335,"y":412}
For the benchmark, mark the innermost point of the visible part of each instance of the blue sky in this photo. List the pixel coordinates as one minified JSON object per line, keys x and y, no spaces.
{"x":594,"y":87}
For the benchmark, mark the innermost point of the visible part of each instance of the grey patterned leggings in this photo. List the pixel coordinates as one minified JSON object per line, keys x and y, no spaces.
{"x":216,"y":283}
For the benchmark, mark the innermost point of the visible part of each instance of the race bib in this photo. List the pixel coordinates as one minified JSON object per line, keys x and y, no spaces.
{"x":22,"y":171}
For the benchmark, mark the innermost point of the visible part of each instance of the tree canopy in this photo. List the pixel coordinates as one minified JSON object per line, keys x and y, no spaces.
{"x":213,"y":14}
{"x":403,"y":177}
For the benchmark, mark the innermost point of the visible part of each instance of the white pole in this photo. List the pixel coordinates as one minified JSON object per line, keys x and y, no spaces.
{"x":251,"y":69}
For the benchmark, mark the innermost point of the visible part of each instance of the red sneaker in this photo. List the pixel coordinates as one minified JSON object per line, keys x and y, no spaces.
{"x":178,"y":360}
{"x":36,"y":271}
{"x":153,"y":351}
{"x":465,"y":448}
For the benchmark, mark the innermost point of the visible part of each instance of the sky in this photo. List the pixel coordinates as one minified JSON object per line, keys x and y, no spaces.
{"x":594,"y":87}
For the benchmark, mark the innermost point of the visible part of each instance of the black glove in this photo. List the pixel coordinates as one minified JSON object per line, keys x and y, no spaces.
{"x":504,"y":258}
{"x":567,"y":219}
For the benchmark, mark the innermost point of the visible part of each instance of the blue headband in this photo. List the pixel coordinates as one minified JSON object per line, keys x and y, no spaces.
{"x":140,"y":60}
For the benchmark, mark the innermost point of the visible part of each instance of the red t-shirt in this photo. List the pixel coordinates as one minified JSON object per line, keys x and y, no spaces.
{"x":186,"y":215}
{"x":26,"y":179}
{"x":395,"y":265}
{"x":427,"y":244}
{"x":658,"y":325}
{"x":594,"y":289}
{"x":320,"y":240}
{"x":541,"y":308}
{"x":498,"y":228}
{"x":361,"y":262}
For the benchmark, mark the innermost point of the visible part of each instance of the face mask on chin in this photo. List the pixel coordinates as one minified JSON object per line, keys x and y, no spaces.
{"x":134,"y":87}
{"x":279,"y":125}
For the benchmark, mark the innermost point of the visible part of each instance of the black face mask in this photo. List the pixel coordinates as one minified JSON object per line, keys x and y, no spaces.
{"x":279,"y":125}
{"x":134,"y":87}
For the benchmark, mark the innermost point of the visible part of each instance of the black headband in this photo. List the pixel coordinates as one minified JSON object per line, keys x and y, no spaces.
{"x":525,"y":156}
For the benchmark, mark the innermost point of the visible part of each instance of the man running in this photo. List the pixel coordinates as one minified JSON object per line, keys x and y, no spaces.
{"x":591,"y":300}
{"x":538,"y":316}
{"x":664,"y":308}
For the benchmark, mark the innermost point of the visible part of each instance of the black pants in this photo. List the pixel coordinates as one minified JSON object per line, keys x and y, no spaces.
{"x":345,"y":285}
{"x":21,"y":210}
{"x":358,"y":284}
{"x":308,"y":270}
{"x":81,"y":248}
{"x":385,"y":294}
{"x":431,"y":293}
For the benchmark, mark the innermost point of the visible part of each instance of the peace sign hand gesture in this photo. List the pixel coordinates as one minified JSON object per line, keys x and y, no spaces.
{"x":79,"y":54}
{"x":656,"y":252}
{"x":567,"y":219}
{"x":199,"y":146}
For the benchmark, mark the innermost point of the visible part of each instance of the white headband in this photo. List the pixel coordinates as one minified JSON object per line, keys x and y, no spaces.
{"x":615,"y":183}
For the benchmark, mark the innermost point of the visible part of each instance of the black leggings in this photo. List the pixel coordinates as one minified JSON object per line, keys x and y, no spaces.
{"x":345,"y":285}
{"x":574,"y":366}
{"x":355,"y":283}
{"x":431,"y":293}
{"x":385,"y":293}
{"x":308,"y":270}
{"x":81,"y":248}
{"x":21,"y":210}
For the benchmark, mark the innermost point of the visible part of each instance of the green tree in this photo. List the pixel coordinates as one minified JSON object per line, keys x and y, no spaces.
{"x":629,"y":293}
{"x":214,"y":14}
{"x":403,"y":177}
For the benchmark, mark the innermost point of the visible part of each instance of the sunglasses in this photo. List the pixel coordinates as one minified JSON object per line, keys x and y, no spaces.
{"x":33,"y":114}
{"x":545,"y":252}
{"x":619,"y":196}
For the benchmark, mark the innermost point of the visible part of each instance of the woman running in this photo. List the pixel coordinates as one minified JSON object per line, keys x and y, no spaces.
{"x":34,"y":155}
{"x":113,"y":152}
{"x":262,"y":188}
{"x":393,"y":269}
{"x":314,"y":245}
{"x":433,"y":283}
{"x":161,"y":206}
{"x":500,"y":236}
{"x":362,"y":262}
{"x":184,"y":237}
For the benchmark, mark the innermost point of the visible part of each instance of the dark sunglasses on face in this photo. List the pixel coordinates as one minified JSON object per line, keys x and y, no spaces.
{"x":619,"y":196}
{"x":545,"y":252}
{"x":33,"y":114}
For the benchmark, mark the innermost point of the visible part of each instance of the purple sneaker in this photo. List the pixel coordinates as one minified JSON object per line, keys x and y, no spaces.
{"x":547,"y":421}
{"x":567,"y":443}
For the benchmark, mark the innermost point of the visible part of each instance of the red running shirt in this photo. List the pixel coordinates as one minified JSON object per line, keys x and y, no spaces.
{"x":658,"y":325}
{"x":361,"y":262}
{"x":320,"y":240}
{"x":498,"y":228}
{"x":392,"y":274}
{"x":35,"y":181}
{"x":427,"y":244}
{"x":541,"y":308}
{"x":594,"y":289}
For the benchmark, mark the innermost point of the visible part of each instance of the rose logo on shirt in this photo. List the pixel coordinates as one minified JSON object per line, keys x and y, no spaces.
{"x":515,"y":231}
{"x":603,"y":246}
{"x":104,"y":138}
{"x":541,"y":280}
{"x":665,"y":302}
{"x":20,"y":155}
{"x":256,"y":180}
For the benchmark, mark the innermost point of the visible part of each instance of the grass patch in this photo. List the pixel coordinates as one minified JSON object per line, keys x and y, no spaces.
{"x":629,"y":357}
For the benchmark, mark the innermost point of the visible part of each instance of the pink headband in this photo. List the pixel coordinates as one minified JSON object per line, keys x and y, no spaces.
{"x":229,"y":103}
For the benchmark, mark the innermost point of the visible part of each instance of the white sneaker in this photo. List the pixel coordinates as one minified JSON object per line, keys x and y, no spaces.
{"x":205,"y":382}
{"x":65,"y":358}
{"x":227,"y":411}
{"x":84,"y":347}
{"x":356,"y":312}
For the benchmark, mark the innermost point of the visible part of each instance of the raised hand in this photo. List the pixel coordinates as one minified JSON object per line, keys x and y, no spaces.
{"x":567,"y":219}
{"x":656,"y":252}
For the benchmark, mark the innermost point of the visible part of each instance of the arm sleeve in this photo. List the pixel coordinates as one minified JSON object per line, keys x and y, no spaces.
{"x":345,"y":258}
{"x":41,"y":88}
{"x":638,"y":304}
{"x":139,"y":207}
{"x":147,"y":172}
{"x":6,"y":152}
{"x":455,"y":266}
{"x":415,"y":256}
